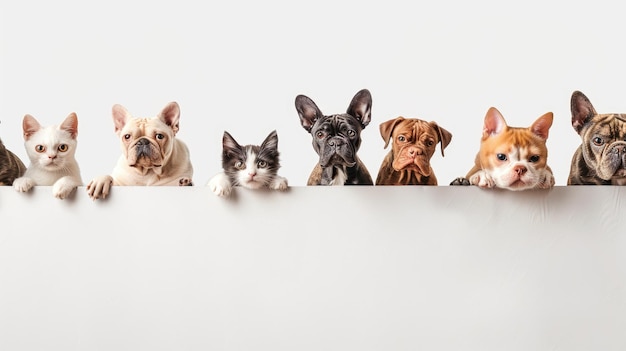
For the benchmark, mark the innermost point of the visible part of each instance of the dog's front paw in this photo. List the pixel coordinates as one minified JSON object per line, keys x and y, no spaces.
{"x":482,"y":179}
{"x":220,"y":185}
{"x":279,"y":183}
{"x":547,"y":182}
{"x":23,"y":184}
{"x":99,"y":187}
{"x":63,"y":187}
{"x":461,"y":181}
{"x":185,"y":182}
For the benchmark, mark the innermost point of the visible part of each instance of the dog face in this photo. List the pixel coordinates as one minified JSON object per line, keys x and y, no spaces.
{"x":413,"y":144}
{"x":601,"y":158}
{"x":337,"y":137}
{"x":513,"y":158}
{"x":147,"y":143}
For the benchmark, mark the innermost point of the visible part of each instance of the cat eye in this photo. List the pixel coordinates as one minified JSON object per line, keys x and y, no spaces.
{"x":501,"y":157}
{"x":239,"y":165}
{"x":63,"y":147}
{"x":160,"y":136}
{"x":40,"y":148}
{"x":261,"y":164}
{"x":534,"y":158}
{"x":598,"y":141}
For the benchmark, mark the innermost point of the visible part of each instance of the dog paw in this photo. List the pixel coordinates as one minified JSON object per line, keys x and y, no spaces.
{"x":220,"y":185}
{"x":279,"y":183}
{"x":547,"y":182}
{"x":482,"y":179}
{"x":185,"y":182}
{"x":23,"y":184}
{"x":461,"y":181}
{"x":99,"y":187}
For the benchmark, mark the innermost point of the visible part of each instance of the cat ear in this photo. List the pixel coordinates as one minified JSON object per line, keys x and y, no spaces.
{"x":271,"y":142}
{"x":170,"y":116}
{"x":70,"y":124}
{"x":361,"y":107}
{"x":120,"y":117}
{"x":494,"y":123}
{"x":229,"y":143}
{"x":308,"y":112}
{"x":542,"y":125}
{"x":30,"y":126}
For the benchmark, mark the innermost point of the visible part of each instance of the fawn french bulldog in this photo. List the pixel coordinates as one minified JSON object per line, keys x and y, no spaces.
{"x":512,"y":158}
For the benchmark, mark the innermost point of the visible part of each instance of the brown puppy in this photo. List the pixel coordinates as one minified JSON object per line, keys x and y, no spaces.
{"x":413,"y":145}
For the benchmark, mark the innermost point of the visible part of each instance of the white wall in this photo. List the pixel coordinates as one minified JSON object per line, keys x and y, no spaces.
{"x":316,"y":268}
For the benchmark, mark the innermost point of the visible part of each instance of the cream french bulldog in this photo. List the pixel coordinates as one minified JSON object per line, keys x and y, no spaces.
{"x":151,"y":153}
{"x":512,"y":158}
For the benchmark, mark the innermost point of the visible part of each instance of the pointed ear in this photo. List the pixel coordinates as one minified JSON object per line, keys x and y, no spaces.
{"x":361,"y":107}
{"x":541,"y":126}
{"x":120,"y":117}
{"x":30,"y":126}
{"x":386,"y":128}
{"x":229,"y":143}
{"x":271,"y":141}
{"x":494,"y":123}
{"x":70,"y":124}
{"x":444,"y":136}
{"x":170,"y":115}
{"x":308,"y":112}
{"x":582,"y":110}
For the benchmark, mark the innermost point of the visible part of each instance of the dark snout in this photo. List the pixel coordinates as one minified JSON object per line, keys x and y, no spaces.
{"x":143,"y":147}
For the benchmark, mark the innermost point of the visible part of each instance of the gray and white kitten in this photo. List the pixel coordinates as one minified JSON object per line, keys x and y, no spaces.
{"x":11,"y":167}
{"x":249,"y":166}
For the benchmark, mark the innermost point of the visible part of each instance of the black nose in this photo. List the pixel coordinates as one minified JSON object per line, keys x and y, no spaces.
{"x":143,"y":141}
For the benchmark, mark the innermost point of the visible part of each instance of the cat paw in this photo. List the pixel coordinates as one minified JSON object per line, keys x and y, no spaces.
{"x":460,"y":181}
{"x":185,"y":182}
{"x":279,"y":183}
{"x":63,"y":187}
{"x":220,"y":185}
{"x":99,"y":187}
{"x":23,"y":184}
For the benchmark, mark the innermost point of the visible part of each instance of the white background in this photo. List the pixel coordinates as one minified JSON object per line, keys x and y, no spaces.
{"x":238,"y":66}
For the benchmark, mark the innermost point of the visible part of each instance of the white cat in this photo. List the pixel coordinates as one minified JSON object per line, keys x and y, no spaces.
{"x":51,"y":151}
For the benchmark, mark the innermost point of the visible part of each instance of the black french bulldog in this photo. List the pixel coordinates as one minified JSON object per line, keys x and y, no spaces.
{"x":336,"y":139}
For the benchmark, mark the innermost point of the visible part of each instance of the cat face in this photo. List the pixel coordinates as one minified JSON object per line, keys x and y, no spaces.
{"x":50,"y":148}
{"x":251,"y":166}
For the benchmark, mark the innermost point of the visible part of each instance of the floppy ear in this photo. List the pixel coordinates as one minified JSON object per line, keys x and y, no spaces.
{"x":386,"y":128}
{"x":582,"y":110}
{"x":70,"y":124}
{"x":30,"y":126}
{"x":120,"y":117}
{"x":308,"y":112}
{"x":170,"y":115}
{"x":494,"y":123}
{"x":542,"y":125}
{"x":361,"y":107}
{"x":444,"y":136}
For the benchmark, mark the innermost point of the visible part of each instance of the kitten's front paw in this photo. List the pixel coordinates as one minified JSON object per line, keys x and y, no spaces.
{"x":279,"y":183}
{"x":220,"y":185}
{"x":99,"y":187}
{"x":63,"y":187}
{"x":23,"y":184}
{"x":185,"y":182}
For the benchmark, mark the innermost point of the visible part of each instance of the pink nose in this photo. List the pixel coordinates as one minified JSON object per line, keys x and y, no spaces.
{"x":520,"y":170}
{"x":414,"y":151}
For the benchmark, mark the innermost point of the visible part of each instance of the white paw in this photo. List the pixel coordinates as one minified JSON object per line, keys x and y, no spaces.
{"x":23,"y":184}
{"x":63,"y":187}
{"x":482,"y":179}
{"x":99,"y":187}
{"x":279,"y":183}
{"x":220,"y":185}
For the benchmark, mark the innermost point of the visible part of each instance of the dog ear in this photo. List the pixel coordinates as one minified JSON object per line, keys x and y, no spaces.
{"x":386,"y":128}
{"x":361,"y":107}
{"x":308,"y":112}
{"x":494,"y":123}
{"x":542,"y":125}
{"x":170,"y":115}
{"x":120,"y":117}
{"x":444,"y":136}
{"x":582,"y":110}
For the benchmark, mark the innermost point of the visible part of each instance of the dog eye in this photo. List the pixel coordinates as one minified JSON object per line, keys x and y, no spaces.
{"x":501,"y":157}
{"x":160,"y":136}
{"x":401,"y":138}
{"x":126,"y":136}
{"x":262,"y":164}
{"x":431,"y":143}
{"x":534,"y":158}
{"x":598,"y":141}
{"x":351,"y":133}
{"x":63,"y":147}
{"x":320,"y":135}
{"x":40,"y":148}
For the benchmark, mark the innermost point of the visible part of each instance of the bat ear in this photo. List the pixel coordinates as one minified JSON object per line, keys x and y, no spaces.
{"x":494,"y":123}
{"x":582,"y":110}
{"x":361,"y":107}
{"x":307,"y":111}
